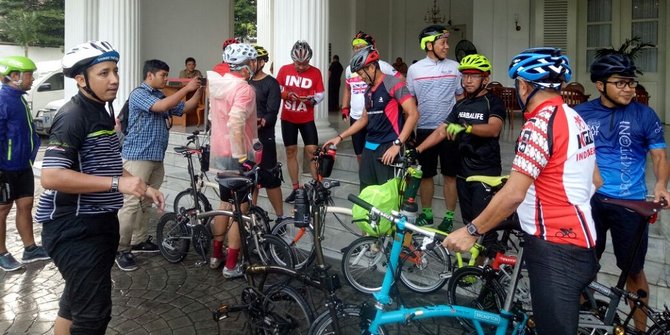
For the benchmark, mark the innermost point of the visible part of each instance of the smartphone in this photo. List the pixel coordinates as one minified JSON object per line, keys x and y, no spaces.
{"x":203,"y":81}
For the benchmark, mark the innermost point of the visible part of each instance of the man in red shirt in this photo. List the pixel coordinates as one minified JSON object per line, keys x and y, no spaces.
{"x":302,"y":88}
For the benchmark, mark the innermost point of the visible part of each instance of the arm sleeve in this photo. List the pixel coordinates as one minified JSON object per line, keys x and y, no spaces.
{"x":68,"y":133}
{"x":532,"y":149}
{"x":273,"y":103}
{"x":497,"y":108}
{"x":653,"y":130}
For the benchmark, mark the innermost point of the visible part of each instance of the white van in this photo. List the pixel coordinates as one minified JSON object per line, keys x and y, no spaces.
{"x":49,"y":85}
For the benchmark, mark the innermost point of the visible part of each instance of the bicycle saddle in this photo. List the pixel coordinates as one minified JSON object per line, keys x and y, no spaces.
{"x":180,"y":149}
{"x":642,"y":207}
{"x":233,"y":182}
{"x":492,"y":181}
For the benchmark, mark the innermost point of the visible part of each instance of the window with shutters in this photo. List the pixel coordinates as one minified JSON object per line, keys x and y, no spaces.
{"x":555,"y":24}
{"x":598,"y":27}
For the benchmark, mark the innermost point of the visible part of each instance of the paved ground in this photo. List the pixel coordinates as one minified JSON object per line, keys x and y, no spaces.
{"x":158,"y":298}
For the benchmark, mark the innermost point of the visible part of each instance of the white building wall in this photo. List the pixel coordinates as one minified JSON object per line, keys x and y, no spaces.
{"x":173,"y":30}
{"x":495,"y":34}
{"x":35,"y":53}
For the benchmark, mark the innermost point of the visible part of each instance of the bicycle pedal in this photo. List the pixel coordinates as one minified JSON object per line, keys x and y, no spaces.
{"x":446,"y":275}
{"x":221,"y":313}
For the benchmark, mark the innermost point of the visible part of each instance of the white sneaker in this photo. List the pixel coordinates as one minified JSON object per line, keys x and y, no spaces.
{"x":214,"y":262}
{"x":234,"y":273}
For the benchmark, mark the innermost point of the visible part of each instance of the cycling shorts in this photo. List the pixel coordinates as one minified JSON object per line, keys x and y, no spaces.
{"x":445,"y":151}
{"x":289,"y":132}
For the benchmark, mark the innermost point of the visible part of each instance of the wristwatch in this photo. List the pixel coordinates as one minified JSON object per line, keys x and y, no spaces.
{"x":397,"y":142}
{"x":115,"y":184}
{"x":472,"y":230}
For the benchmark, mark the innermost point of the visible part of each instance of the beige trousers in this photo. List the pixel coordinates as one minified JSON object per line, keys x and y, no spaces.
{"x":135,"y":214}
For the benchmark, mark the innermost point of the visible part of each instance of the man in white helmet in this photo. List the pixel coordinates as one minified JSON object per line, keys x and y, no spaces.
{"x":84,"y":183}
{"x":234,"y":131}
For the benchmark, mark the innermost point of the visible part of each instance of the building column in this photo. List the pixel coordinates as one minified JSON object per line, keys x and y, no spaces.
{"x":120,"y":25}
{"x":265,"y":30}
{"x":81,"y":25}
{"x":304,"y":20}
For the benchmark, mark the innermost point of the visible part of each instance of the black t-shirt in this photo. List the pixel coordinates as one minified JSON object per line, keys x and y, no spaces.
{"x":479,"y":155}
{"x":268,"y":100}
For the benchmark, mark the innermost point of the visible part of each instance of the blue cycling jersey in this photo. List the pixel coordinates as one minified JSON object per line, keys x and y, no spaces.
{"x":623,"y":137}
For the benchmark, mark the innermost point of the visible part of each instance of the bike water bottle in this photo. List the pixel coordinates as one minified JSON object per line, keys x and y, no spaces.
{"x":412,"y":182}
{"x":327,"y":161}
{"x":258,"y":151}
{"x":301,"y":213}
{"x":409,"y":209}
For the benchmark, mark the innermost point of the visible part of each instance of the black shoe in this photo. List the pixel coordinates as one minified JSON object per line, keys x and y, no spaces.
{"x":291,"y":197}
{"x":126,"y":261}
{"x":145,"y":247}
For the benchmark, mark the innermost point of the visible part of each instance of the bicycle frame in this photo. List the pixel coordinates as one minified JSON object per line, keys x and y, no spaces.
{"x":588,"y":320}
{"x":501,"y":321}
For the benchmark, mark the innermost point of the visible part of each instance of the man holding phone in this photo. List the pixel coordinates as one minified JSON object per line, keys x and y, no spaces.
{"x":302,"y":88}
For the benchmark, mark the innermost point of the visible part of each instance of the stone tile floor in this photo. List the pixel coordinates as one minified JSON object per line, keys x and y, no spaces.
{"x":158,"y":298}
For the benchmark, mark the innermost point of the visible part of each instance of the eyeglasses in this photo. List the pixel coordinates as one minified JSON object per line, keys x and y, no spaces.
{"x":467,"y":76}
{"x":620,"y":84}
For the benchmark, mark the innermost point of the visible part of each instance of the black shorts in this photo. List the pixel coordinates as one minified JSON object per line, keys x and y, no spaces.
{"x":446,"y":151}
{"x":289,"y":132}
{"x":83,"y":248}
{"x":358,"y":139}
{"x":270,"y":178}
{"x":269,"y":154}
{"x":372,"y":171}
{"x":21,"y":185}
{"x":623,"y":225}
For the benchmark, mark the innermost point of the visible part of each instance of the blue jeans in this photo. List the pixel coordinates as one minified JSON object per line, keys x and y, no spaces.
{"x":558,"y":273}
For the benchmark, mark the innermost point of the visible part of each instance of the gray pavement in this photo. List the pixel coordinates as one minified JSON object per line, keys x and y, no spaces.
{"x":158,"y":298}
{"x":164,"y":298}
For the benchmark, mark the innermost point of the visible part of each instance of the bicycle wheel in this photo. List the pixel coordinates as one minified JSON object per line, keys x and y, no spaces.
{"x":364,"y":263}
{"x":274,"y":251}
{"x":470,"y":287}
{"x":425,"y":271}
{"x":262,"y":218}
{"x":292,"y":312}
{"x":301,"y":241}
{"x":184,"y":199}
{"x":661,"y":328}
{"x":344,"y":217}
{"x":348,"y":320}
{"x":173,"y":238}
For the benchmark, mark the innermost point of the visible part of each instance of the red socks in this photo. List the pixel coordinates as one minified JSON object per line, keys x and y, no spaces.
{"x":217,"y":249}
{"x":231,"y":260}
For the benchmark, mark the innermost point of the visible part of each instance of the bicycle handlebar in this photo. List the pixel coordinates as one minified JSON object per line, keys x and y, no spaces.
{"x":396,"y":218}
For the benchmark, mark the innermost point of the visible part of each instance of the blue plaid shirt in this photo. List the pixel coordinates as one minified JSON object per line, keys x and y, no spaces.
{"x":148,"y":133}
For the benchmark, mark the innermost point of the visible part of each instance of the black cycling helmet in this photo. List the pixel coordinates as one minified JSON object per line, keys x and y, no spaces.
{"x":432,"y":33}
{"x":363,"y":57}
{"x":614,"y":63}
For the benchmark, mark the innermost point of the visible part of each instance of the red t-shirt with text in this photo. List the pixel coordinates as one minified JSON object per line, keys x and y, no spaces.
{"x":304,"y":84}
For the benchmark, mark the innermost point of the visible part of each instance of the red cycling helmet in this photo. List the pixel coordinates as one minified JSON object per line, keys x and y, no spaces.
{"x":229,"y":42}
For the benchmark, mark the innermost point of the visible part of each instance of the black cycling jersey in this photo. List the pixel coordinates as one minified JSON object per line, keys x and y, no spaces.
{"x":268,"y":99}
{"x":479,"y":155}
{"x":82,"y":139}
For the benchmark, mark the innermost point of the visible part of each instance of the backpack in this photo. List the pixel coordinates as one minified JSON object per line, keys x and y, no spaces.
{"x":124,"y":114}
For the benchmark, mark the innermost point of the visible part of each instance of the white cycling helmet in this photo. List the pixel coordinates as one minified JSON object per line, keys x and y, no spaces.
{"x":239,"y":54}
{"x":87,"y":54}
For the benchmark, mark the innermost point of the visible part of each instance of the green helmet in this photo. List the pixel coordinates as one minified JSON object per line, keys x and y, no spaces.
{"x":16,"y":63}
{"x":475,"y":62}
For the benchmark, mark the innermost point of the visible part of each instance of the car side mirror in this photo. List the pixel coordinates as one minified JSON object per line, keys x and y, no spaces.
{"x":44,"y":87}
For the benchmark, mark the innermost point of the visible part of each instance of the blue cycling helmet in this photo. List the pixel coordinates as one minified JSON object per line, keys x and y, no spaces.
{"x":614,"y":63}
{"x":543,"y":67}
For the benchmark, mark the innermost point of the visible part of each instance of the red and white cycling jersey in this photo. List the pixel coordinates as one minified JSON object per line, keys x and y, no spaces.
{"x":556,"y":149}
{"x":304,"y":84}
